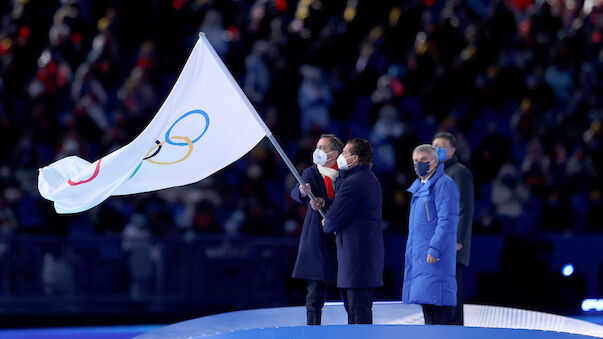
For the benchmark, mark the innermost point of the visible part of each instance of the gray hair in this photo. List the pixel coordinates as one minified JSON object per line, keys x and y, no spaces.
{"x":336,"y":143}
{"x":426,"y":148}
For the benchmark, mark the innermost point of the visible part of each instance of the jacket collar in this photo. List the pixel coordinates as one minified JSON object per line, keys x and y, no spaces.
{"x":348,"y":172}
{"x":417,"y":186}
{"x":453,"y":161}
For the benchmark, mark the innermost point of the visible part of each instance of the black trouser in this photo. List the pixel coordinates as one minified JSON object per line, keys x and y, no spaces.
{"x":437,"y":315}
{"x":315,"y":300}
{"x":458,"y":317}
{"x":358,"y":303}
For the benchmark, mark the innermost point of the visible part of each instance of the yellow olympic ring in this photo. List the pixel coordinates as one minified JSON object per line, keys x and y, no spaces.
{"x":190,"y":150}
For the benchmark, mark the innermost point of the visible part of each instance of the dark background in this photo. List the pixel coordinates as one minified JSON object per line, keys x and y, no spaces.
{"x":518,"y":82}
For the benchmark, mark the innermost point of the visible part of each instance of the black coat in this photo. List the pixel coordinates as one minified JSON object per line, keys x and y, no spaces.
{"x":355,"y":216}
{"x":316,"y":255}
{"x":464,"y":181}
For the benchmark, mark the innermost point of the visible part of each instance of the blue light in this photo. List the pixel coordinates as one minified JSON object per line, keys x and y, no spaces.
{"x":592,"y":305}
{"x":567,"y":270}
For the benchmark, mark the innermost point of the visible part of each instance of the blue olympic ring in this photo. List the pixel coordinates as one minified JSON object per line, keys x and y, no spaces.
{"x":169,"y":141}
{"x":196,"y":111}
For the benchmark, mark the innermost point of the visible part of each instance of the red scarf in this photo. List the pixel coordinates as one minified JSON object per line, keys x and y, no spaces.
{"x":329,"y":184}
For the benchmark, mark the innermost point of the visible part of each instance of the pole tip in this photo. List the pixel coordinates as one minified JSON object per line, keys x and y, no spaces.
{"x":201,"y":34}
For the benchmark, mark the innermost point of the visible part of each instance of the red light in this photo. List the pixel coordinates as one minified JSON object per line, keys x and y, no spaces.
{"x":596,"y":37}
{"x":281,"y":5}
{"x":24,"y":32}
{"x":76,"y":38}
{"x":178,"y":4}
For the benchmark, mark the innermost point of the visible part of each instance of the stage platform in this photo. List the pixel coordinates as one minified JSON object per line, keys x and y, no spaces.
{"x":391,"y":319}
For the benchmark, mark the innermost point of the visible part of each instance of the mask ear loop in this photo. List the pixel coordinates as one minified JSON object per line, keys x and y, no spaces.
{"x":328,"y":156}
{"x":431,"y":162}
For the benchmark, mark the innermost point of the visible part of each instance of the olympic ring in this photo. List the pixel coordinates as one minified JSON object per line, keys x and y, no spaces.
{"x":190,"y":150}
{"x":187,"y":142}
{"x":158,"y":146}
{"x":156,"y":152}
{"x":196,"y":111}
{"x":96,"y":170}
{"x":136,"y":170}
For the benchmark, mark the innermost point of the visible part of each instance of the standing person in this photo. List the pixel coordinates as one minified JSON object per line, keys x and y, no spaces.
{"x":316,"y":257}
{"x":429,"y":268}
{"x":445,"y":144}
{"x":355,"y":217}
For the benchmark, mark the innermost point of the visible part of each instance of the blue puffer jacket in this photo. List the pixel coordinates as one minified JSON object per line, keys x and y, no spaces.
{"x":434,"y":215}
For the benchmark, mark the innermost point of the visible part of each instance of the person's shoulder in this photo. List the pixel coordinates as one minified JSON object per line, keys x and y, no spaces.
{"x":464,"y":173}
{"x":368,"y":174}
{"x":310,"y":170}
{"x":460,"y":168}
{"x":446,"y":181}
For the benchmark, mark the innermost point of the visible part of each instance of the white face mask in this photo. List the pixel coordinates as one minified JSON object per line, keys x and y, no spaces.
{"x":320,"y":157}
{"x":342,"y":162}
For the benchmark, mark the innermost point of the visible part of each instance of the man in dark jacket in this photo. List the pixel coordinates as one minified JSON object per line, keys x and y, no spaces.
{"x":316,"y":257}
{"x":355,"y":217}
{"x":429,"y":265}
{"x":445,"y":144}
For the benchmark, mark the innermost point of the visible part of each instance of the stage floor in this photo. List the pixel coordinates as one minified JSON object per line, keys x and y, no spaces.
{"x":289,"y":322}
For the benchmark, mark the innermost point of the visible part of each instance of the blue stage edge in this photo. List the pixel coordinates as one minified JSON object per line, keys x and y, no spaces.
{"x":391,"y":331}
{"x":392,"y":320}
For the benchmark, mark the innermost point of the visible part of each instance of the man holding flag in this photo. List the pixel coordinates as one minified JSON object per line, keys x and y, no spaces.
{"x":316,"y":257}
{"x":189,"y":139}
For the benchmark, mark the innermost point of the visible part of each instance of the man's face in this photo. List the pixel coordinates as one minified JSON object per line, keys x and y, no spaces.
{"x":324,"y":144}
{"x":347,"y":153}
{"x":421,"y":157}
{"x":425,"y":157}
{"x":445,"y":144}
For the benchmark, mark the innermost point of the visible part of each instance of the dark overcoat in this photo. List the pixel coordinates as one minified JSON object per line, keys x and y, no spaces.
{"x":464,"y":181}
{"x":355,"y":217}
{"x":316,"y":255}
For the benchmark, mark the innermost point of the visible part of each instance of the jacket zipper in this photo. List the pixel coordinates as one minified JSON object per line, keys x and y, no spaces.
{"x":427,"y":209}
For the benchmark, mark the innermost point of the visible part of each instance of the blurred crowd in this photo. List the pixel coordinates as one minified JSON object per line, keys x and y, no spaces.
{"x":519,"y":82}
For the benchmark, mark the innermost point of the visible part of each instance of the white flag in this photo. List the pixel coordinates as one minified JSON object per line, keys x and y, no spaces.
{"x":205,"y":123}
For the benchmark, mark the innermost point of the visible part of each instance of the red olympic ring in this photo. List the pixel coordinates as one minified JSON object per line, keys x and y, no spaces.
{"x":157,"y":148}
{"x":96,"y":170}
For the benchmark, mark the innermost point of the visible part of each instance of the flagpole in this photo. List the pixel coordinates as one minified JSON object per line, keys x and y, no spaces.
{"x":292,"y":168}
{"x":261,"y":122}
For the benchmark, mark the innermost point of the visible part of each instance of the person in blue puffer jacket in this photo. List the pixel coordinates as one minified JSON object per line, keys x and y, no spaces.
{"x":430,"y":264}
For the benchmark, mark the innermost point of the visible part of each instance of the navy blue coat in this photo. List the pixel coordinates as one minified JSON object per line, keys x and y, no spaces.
{"x":464,"y":181}
{"x":316,"y":255}
{"x":434,"y":215}
{"x":355,"y":216}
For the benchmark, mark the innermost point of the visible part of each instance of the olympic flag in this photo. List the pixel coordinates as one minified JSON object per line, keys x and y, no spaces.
{"x":205,"y":123}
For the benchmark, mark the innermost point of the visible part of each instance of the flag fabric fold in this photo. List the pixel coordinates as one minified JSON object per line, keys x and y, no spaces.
{"x":205,"y":123}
